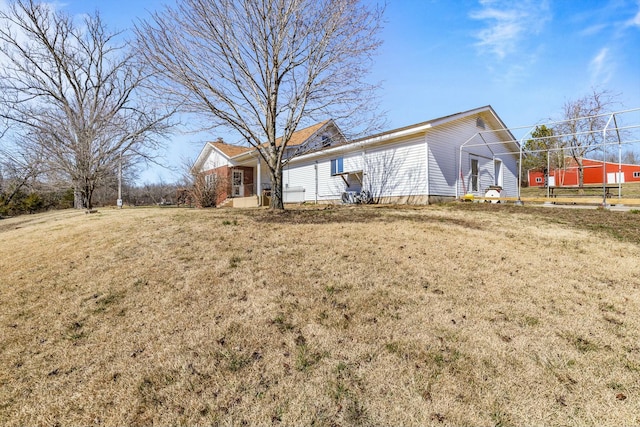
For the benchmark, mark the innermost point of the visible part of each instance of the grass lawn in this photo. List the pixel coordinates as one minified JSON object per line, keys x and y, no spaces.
{"x":462,"y":314}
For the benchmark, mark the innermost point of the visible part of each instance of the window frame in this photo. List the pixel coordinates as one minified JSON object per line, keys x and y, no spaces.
{"x":325,"y":141}
{"x":498,"y":170}
{"x":337,"y":166}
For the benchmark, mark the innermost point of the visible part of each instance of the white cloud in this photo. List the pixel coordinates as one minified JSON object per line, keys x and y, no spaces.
{"x":635,"y":21}
{"x":601,"y":67}
{"x":508,"y":23}
{"x":593,"y":30}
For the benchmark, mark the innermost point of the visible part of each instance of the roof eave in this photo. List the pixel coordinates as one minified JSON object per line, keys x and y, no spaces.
{"x":408,"y":131}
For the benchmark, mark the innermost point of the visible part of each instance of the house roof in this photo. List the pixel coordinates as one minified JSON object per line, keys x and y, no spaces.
{"x":302,"y":135}
{"x":230,"y":150}
{"x":418,"y":128}
{"x":298,"y":138}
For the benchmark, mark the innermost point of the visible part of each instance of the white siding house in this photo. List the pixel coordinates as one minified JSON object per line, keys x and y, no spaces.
{"x":445,"y":158}
{"x":441,"y":159}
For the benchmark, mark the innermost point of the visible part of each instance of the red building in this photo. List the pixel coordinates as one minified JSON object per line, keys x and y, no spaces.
{"x":614,"y":173}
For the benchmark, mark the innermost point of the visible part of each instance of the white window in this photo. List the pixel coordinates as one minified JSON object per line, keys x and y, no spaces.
{"x":636,"y":174}
{"x":337,"y":166}
{"x":539,"y":180}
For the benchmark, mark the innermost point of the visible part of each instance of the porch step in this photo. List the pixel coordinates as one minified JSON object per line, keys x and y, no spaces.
{"x":244,"y":202}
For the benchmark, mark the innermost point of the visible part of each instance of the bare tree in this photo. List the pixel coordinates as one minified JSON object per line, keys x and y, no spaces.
{"x":583,"y":122}
{"x":264,"y":67}
{"x":199,"y":189}
{"x":631,"y":157}
{"x":71,"y":91}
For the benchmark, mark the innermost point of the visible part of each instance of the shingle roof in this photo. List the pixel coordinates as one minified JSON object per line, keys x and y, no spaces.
{"x":230,"y":150}
{"x":301,"y":136}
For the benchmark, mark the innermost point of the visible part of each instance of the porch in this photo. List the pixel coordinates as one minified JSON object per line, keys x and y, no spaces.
{"x":245,"y":186}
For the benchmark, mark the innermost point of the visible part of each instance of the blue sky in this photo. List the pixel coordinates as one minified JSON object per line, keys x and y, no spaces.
{"x":525,"y":58}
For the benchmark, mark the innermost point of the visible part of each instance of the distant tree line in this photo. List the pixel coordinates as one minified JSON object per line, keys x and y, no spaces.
{"x":25,"y":196}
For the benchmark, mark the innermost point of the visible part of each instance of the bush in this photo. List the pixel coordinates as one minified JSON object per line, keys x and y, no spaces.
{"x":32,"y":203}
{"x":205,"y":192}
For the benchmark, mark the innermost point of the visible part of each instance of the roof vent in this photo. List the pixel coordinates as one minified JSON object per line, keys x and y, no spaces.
{"x":480,"y":123}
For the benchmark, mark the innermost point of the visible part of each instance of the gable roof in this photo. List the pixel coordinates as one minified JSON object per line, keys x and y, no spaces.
{"x":422,"y":126}
{"x":230,"y":150}
{"x":418,"y":128}
{"x":301,"y":136}
{"x":298,"y":138}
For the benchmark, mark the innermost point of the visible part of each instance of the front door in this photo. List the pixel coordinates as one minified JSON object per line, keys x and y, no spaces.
{"x":237,"y":180}
{"x":475,"y":175}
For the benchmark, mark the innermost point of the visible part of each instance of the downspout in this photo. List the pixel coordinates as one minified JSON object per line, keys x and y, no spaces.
{"x":426,"y":150}
{"x":364,"y":170}
{"x":459,"y":175}
{"x":315,"y":166}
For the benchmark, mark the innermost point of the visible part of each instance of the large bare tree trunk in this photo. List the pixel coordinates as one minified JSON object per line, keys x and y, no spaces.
{"x":277,"y":197}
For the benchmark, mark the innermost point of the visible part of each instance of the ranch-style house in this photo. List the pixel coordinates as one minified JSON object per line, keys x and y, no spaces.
{"x":437,"y":160}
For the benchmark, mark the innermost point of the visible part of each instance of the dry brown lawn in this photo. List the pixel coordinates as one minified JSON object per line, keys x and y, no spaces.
{"x":443,"y":315}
